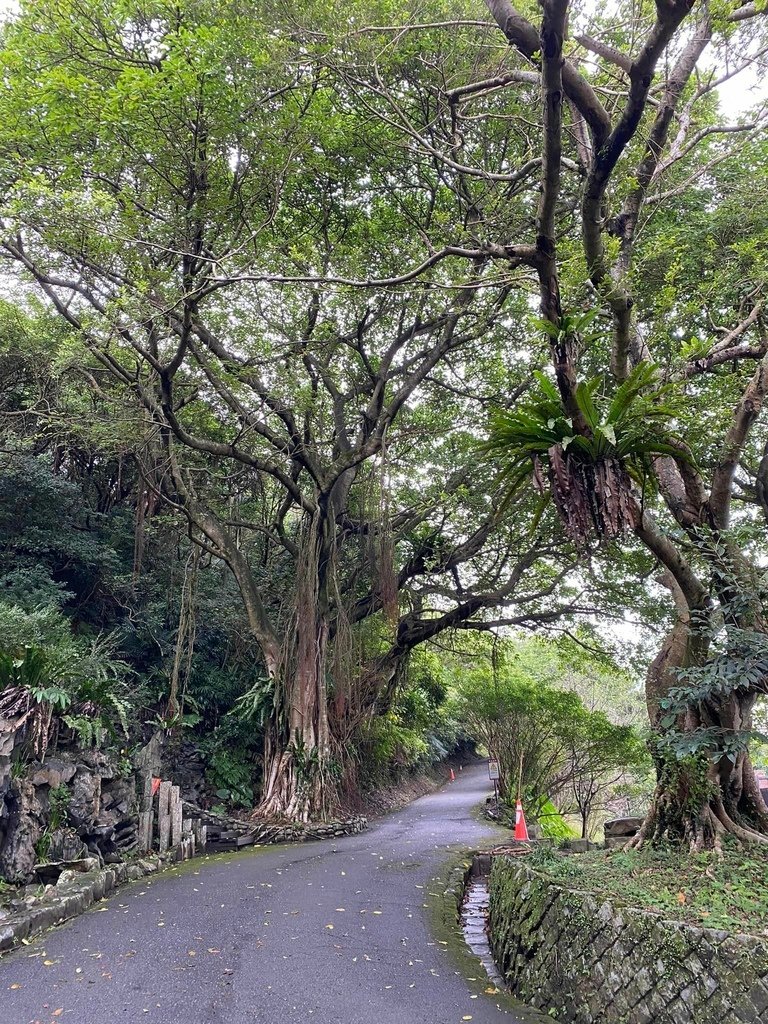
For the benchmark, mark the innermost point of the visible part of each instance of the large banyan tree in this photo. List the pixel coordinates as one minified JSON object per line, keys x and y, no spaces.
{"x":202,"y":194}
{"x":307,"y":242}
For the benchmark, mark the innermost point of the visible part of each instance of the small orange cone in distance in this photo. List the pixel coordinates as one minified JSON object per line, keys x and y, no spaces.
{"x":521,"y":829}
{"x":453,"y":775}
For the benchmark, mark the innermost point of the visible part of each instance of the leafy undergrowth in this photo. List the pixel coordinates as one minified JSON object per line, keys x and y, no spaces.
{"x":731,"y":893}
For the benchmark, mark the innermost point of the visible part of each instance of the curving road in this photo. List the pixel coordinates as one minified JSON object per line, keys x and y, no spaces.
{"x":338,"y":933}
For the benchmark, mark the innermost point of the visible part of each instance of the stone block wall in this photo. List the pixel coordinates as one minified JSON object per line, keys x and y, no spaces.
{"x":100,"y":818}
{"x":265,"y":833}
{"x":585,"y":961}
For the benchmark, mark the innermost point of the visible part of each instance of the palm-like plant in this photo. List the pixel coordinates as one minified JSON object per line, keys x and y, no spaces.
{"x":590,"y":473}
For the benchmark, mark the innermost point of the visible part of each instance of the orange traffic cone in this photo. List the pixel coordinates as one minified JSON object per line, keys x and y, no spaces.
{"x":453,"y":775}
{"x":521,"y":829}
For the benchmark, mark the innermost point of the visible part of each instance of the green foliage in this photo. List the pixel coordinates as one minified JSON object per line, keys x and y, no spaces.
{"x":59,"y":799}
{"x":632,"y":426}
{"x":551,"y":822}
{"x":542,"y":735}
{"x":732,"y":659}
{"x":712,"y":891}
{"x":417,"y":731}
{"x":80,"y":683}
{"x":257,"y":704}
{"x":129,"y":136}
{"x":231,"y":776}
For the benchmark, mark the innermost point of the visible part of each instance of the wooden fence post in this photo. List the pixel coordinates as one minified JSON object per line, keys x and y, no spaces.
{"x":146,"y":817}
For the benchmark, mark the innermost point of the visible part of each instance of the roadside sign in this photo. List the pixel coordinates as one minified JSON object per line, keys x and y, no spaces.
{"x":493,"y":770}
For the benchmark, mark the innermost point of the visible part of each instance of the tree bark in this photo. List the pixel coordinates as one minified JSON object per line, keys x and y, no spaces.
{"x":697,"y":799}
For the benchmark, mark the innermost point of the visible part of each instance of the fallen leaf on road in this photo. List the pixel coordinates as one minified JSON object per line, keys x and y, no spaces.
{"x":48,"y":963}
{"x":57,"y":1013}
{"x":15,"y":985}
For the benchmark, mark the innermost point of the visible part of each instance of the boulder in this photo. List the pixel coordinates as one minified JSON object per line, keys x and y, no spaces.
{"x":616,"y":842}
{"x":65,"y":845}
{"x":579,"y":846}
{"x":183,"y":763}
{"x":149,"y":759}
{"x":85,"y":802}
{"x":50,"y":872}
{"x":118,"y":799}
{"x":8,"y":729}
{"x":622,"y":827}
{"x":67,"y":876}
{"x":22,"y":828}
{"x":101,"y":843}
{"x":54,"y":773}
{"x":8,"y":733}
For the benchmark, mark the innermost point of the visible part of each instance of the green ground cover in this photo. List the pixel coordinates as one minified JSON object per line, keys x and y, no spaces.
{"x":729,"y":893}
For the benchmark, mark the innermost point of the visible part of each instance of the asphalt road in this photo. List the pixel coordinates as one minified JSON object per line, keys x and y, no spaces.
{"x":338,"y":933}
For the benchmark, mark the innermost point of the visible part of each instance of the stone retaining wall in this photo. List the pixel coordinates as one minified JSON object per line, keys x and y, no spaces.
{"x":585,"y":961}
{"x":265,"y":833}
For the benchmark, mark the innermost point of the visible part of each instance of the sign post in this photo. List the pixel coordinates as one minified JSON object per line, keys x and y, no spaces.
{"x":493,"y":775}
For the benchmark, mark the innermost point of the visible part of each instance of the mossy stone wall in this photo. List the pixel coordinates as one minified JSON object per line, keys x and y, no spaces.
{"x":585,"y":961}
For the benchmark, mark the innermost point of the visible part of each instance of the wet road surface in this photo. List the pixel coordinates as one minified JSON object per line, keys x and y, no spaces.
{"x":337,"y":932}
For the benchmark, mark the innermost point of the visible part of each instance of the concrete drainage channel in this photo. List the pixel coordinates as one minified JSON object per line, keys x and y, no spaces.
{"x":471,"y":890}
{"x":473,"y":914}
{"x":474,"y":925}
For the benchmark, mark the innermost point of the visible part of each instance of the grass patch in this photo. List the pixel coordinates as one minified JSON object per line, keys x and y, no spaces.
{"x":731,"y":893}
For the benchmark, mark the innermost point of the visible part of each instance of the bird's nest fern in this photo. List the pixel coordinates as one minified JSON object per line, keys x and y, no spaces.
{"x":591,"y":474}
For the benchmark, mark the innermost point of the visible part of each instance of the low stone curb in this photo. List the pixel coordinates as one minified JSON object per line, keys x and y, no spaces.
{"x":272,"y":833}
{"x":456,"y":883}
{"x":72,"y":899}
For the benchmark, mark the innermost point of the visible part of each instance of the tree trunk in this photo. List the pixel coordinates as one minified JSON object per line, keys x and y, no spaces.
{"x":299,"y":776}
{"x":698,"y":800}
